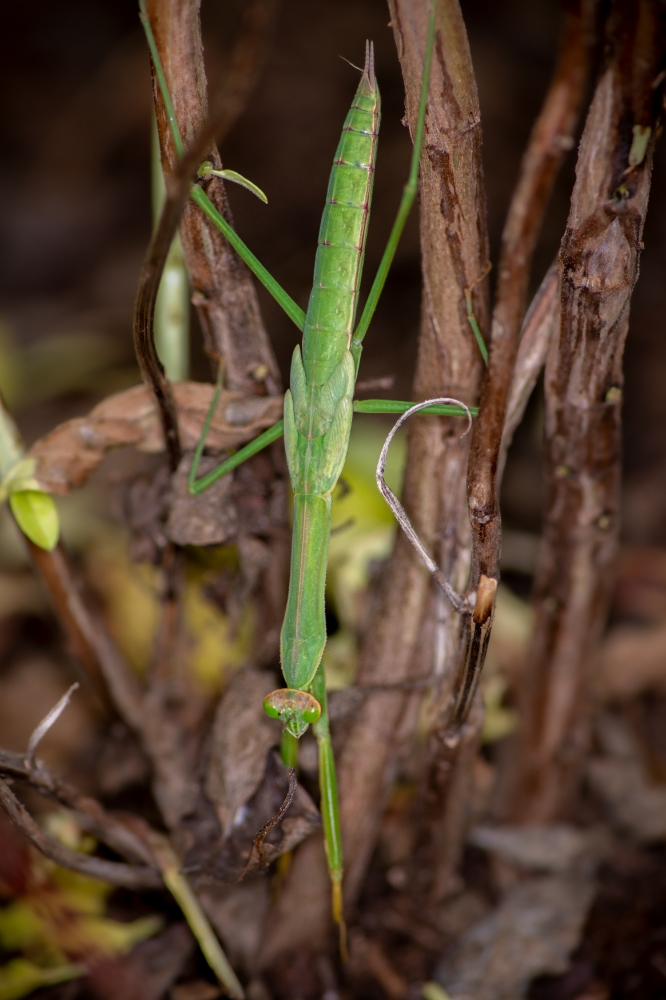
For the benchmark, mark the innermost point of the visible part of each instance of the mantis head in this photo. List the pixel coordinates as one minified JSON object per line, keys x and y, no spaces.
{"x":295,"y":709}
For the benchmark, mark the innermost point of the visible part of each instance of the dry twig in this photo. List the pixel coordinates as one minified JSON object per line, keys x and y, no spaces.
{"x":551,"y":137}
{"x":113,"y":872}
{"x":109,"y":673}
{"x":94,"y":817}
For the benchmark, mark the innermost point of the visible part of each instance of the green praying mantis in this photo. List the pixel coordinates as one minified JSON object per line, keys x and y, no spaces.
{"x":318,"y":411}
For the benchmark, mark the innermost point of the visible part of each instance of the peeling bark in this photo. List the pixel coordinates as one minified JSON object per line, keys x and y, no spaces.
{"x":598,"y":262}
{"x":222,"y":288}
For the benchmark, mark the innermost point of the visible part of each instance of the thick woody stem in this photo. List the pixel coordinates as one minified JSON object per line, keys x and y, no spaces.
{"x":598,"y":261}
{"x":551,"y":137}
{"x":222,"y":288}
{"x":443,"y":806}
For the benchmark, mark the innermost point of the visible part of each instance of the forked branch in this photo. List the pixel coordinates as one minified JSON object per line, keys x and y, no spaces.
{"x":598,"y":262}
{"x":552,"y":136}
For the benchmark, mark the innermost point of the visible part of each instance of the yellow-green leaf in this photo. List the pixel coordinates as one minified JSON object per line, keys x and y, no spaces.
{"x":37,"y":517}
{"x":433,"y":991}
{"x":19,"y":977}
{"x":207,"y":170}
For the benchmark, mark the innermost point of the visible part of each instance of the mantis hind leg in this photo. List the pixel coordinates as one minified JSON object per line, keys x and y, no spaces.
{"x":196,"y":486}
{"x":329,"y":805}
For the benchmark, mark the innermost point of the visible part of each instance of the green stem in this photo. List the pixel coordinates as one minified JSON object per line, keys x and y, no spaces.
{"x":196,"y":486}
{"x":328,"y":806}
{"x":172,"y":306}
{"x":471,"y":319}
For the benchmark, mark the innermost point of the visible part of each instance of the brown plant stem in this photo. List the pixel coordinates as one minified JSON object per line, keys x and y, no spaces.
{"x":110,"y":675}
{"x":551,"y":137}
{"x":103,"y":824}
{"x":598,"y":262}
{"x":222,"y":288}
{"x":113,"y":872}
{"x":442,"y":810}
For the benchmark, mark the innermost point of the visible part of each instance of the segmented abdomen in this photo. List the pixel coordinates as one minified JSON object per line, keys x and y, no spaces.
{"x":339,"y":261}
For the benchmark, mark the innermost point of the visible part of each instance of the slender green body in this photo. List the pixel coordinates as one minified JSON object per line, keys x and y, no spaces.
{"x":332,"y":308}
{"x":318,"y":408}
{"x":318,"y":411}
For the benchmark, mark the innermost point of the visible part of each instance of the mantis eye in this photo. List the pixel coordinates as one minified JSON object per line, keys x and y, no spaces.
{"x":272,"y":707}
{"x":312,"y":711}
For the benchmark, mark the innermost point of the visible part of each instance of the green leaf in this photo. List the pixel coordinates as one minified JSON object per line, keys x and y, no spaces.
{"x":232,"y":175}
{"x":19,"y":977}
{"x":433,"y":991}
{"x":206,"y":170}
{"x":37,"y":517}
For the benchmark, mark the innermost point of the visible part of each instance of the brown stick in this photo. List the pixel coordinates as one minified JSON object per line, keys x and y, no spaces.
{"x":222,"y":286}
{"x":175,"y":24}
{"x":110,"y":674}
{"x":551,"y":137}
{"x":455,"y":255}
{"x":599,"y":266}
{"x":444,"y":795}
{"x":104,"y":825}
{"x":114,"y":872}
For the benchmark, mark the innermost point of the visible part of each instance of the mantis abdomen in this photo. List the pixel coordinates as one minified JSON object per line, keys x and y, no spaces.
{"x":318,"y":406}
{"x":339,"y":261}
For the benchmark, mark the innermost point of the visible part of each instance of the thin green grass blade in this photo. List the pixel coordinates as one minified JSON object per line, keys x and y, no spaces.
{"x":196,"y":486}
{"x":161,"y":79}
{"x":471,"y":319}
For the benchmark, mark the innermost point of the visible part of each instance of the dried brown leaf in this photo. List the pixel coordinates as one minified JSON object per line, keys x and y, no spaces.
{"x":210,"y":518}
{"x":242,"y":736}
{"x":230,"y":859}
{"x":69,"y":455}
